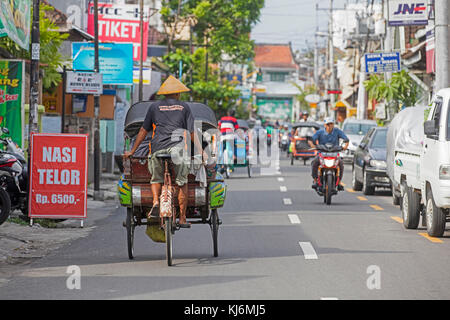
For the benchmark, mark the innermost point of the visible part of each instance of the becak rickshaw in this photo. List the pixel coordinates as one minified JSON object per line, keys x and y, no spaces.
{"x":299,"y":144}
{"x":242,"y":146}
{"x":206,"y":187}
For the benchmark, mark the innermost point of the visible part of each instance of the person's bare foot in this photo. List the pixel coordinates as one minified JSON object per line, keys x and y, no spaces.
{"x":154,"y":212}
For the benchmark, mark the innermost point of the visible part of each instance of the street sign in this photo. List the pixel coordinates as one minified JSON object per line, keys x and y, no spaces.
{"x":382,"y":62}
{"x":334,"y":91}
{"x":58,"y":175}
{"x":312,"y":98}
{"x":84,"y":82}
{"x":408,"y":12}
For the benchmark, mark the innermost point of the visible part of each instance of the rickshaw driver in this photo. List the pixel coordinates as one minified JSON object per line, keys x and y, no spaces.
{"x":328,"y":135}
{"x":163,"y":118}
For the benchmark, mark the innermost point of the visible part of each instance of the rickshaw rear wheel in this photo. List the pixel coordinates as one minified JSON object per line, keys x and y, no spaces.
{"x":129,"y":223}
{"x":214,"y":224}
{"x":249,"y":170}
{"x":169,"y":239}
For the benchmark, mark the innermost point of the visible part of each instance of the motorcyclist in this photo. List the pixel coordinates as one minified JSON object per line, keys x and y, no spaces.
{"x":305,"y":117}
{"x":323,"y":136}
{"x":228,"y":125}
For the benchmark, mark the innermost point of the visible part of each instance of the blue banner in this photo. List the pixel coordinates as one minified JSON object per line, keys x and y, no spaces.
{"x":115,"y":59}
{"x":382,"y":62}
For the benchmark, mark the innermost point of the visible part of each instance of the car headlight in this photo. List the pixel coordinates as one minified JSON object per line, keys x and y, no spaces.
{"x":379,"y":164}
{"x":444,"y":172}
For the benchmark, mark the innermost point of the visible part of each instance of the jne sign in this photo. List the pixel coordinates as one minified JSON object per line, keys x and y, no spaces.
{"x":408,"y":12}
{"x":58,"y":176}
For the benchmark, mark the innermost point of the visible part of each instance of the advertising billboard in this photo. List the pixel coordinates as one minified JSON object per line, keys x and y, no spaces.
{"x":15,"y":21}
{"x":115,"y":59}
{"x":408,"y":12}
{"x":58,"y":175}
{"x":120,"y":23}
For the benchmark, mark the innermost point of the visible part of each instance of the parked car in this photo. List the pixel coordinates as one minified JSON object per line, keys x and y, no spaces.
{"x":369,"y":162}
{"x":355,"y":131}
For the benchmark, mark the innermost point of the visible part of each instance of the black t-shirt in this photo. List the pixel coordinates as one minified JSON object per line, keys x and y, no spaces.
{"x":164,"y":118}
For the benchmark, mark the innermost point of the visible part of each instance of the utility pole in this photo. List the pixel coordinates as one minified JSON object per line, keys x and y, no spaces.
{"x":316,"y":53}
{"x":331,"y":56}
{"x":442,"y":11}
{"x":97,"y":194}
{"x":141,"y":72}
{"x":34,"y":72}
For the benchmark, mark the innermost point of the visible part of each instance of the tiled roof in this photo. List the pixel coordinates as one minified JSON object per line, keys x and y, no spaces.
{"x":274,"y":56}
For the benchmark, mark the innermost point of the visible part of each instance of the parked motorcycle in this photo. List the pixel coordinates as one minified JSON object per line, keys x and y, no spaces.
{"x":13,"y":176}
{"x":328,"y":171}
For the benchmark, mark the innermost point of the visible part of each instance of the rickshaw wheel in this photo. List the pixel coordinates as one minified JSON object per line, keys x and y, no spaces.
{"x":169,"y":235}
{"x":214,"y":224}
{"x":292,"y":159}
{"x":249,"y":170}
{"x":130,"y":233}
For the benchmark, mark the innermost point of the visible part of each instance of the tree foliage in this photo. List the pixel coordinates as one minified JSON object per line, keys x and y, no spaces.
{"x":224,"y":25}
{"x":401,"y":90}
{"x":50,"y":42}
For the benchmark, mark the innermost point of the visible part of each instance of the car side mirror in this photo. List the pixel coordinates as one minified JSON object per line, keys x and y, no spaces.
{"x":362,"y":145}
{"x":429,"y":128}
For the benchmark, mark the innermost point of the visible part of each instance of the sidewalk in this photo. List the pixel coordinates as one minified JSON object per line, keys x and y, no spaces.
{"x":21,"y":244}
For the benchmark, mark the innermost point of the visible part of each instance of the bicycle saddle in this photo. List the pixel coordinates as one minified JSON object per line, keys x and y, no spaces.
{"x":164,"y":156}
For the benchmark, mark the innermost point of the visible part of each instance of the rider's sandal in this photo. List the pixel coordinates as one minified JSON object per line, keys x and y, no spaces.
{"x":184,"y":225}
{"x":154,"y":212}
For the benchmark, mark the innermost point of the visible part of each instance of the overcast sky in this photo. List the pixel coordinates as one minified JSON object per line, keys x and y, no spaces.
{"x":293,"y":20}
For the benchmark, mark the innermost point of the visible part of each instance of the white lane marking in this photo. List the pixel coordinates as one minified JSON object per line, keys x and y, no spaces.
{"x":329,"y":298}
{"x":294,"y":218}
{"x":287,"y":201}
{"x":308,"y":251}
{"x":283,"y":189}
{"x":280,"y":179}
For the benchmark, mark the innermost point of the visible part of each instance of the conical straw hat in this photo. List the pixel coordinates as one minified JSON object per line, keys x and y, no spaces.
{"x":172,"y":85}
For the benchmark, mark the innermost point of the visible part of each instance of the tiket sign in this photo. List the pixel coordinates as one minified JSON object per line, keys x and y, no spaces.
{"x":404,"y":12}
{"x":120,"y":23}
{"x":58,"y":176}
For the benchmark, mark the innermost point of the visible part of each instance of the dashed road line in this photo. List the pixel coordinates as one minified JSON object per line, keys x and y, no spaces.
{"x":432,"y":239}
{"x":362,"y":198}
{"x":376,"y":207}
{"x":287,"y":201}
{"x":398,"y":219}
{"x":294,"y":219}
{"x":308,"y":251}
{"x":280,"y":179}
{"x":329,"y":298}
{"x":350,"y":190}
{"x":283,"y":189}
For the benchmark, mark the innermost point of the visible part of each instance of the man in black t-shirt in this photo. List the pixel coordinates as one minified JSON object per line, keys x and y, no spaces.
{"x":169,"y":120}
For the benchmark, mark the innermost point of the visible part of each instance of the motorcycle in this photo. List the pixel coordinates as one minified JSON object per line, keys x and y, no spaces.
{"x":328,"y":175}
{"x":284,"y":143}
{"x":13,"y":175}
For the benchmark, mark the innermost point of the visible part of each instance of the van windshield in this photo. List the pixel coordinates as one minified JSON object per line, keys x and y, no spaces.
{"x":357,"y":128}
{"x":379,"y":140}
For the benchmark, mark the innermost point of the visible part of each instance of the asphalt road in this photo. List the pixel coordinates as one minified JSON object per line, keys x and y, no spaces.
{"x":278,"y":240}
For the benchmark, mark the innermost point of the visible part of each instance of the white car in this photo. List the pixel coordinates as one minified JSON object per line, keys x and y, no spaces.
{"x":355,"y":131}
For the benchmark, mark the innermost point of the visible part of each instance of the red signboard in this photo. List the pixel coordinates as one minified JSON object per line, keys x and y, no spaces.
{"x":334,"y":91}
{"x":58,"y":176}
{"x":120,"y":23}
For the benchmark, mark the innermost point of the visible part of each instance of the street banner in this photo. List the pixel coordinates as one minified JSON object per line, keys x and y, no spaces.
{"x":430,"y":51}
{"x":408,"y":12}
{"x":115,"y":60}
{"x":274,"y":108}
{"x":15,"y":21}
{"x":12,"y":73}
{"x":146,"y":75}
{"x":58,"y":176}
{"x":84,"y":83}
{"x":382,"y":62}
{"x":120,"y":23}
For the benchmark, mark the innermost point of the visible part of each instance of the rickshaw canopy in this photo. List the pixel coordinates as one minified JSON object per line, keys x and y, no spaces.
{"x":307,"y":124}
{"x":137,"y":112}
{"x":243,"y":124}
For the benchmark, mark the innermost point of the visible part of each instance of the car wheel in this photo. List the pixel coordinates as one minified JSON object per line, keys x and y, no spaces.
{"x":356,"y":185}
{"x":410,"y":208}
{"x":435,"y":217}
{"x":367,"y":190}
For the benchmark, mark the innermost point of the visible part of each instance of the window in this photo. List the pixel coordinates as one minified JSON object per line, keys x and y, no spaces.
{"x":278,"y":76}
{"x":437,"y":113}
{"x":357,"y":128}
{"x":379,"y":140}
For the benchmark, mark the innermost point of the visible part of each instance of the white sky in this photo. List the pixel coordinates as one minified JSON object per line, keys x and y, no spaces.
{"x":293,"y":20}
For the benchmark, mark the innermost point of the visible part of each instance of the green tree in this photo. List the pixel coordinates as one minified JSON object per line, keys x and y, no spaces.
{"x":304,"y":105}
{"x":401,"y":90}
{"x":50,"y":42}
{"x":224,"y":25}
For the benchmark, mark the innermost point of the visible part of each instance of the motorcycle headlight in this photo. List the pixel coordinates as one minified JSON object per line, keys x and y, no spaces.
{"x":329,"y":162}
{"x":379,"y":164}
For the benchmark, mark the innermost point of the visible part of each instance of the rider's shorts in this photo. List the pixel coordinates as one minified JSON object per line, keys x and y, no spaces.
{"x":180,"y":165}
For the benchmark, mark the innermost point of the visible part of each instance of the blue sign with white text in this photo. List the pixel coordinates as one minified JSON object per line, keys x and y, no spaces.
{"x":382,"y":62}
{"x":115,"y":60}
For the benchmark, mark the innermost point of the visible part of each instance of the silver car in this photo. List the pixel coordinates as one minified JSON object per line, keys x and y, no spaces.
{"x":355,"y":131}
